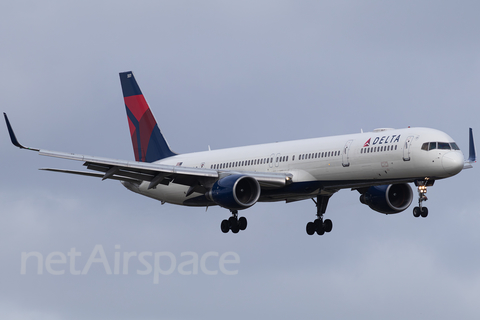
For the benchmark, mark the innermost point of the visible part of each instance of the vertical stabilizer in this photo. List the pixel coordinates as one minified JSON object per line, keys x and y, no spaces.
{"x":149,"y":145}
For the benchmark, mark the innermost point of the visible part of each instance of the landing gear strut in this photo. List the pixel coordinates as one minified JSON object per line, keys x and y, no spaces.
{"x":320,"y":226}
{"x":422,"y":190}
{"x":234,"y":223}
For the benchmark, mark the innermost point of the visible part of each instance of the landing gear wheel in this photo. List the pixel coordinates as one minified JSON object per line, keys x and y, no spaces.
{"x":235,"y":228}
{"x":424,"y":212}
{"x":320,"y":226}
{"x":320,"y":231}
{"x":416,"y":212}
{"x":242,"y":223}
{"x":225,"y":226}
{"x":328,"y":225}
{"x":310,"y":228}
{"x":422,"y":190}
{"x":234,"y":223}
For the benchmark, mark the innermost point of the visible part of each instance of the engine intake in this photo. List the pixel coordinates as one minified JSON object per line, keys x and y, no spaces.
{"x":388,"y":199}
{"x":235,"y":192}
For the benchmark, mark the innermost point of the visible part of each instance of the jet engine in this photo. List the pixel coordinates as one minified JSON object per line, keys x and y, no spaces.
{"x":388,"y":199}
{"x":235,"y":192}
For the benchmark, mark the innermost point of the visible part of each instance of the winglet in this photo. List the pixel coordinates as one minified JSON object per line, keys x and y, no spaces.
{"x":472,"y":157}
{"x":13,"y":137}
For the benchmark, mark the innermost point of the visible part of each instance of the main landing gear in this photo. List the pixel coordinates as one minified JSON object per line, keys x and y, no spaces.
{"x":422,"y":190}
{"x":320,"y":226}
{"x":234,"y":223}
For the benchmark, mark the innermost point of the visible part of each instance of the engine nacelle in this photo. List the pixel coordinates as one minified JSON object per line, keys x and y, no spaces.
{"x":388,"y":199}
{"x":235,"y":192}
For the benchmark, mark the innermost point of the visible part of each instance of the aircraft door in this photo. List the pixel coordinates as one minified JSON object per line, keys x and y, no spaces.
{"x":277,"y":160}
{"x":406,"y":148}
{"x":272,"y":157}
{"x":345,"y":152}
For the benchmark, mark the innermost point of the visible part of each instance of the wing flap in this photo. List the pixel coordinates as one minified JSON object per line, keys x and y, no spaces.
{"x":89,"y":174}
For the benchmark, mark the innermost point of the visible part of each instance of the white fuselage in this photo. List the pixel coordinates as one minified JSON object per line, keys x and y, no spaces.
{"x":381,"y":157}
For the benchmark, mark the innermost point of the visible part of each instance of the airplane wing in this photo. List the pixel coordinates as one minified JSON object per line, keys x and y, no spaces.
{"x":199,"y":179}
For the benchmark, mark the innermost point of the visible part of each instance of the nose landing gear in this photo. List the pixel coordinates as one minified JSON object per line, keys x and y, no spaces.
{"x":422,"y":190}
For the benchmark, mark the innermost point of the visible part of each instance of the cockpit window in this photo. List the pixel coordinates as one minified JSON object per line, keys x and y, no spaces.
{"x":439,"y":145}
{"x":444,"y":145}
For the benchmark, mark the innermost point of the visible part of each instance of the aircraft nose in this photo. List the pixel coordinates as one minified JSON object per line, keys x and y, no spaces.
{"x":453,"y":162}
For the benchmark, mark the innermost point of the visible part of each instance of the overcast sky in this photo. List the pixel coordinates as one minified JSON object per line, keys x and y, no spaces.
{"x":226,"y":74}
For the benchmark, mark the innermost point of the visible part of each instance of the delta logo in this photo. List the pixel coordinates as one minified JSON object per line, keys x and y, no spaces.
{"x":382,"y":140}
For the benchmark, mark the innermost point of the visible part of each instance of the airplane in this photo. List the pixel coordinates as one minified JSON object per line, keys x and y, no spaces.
{"x":379,"y":165}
